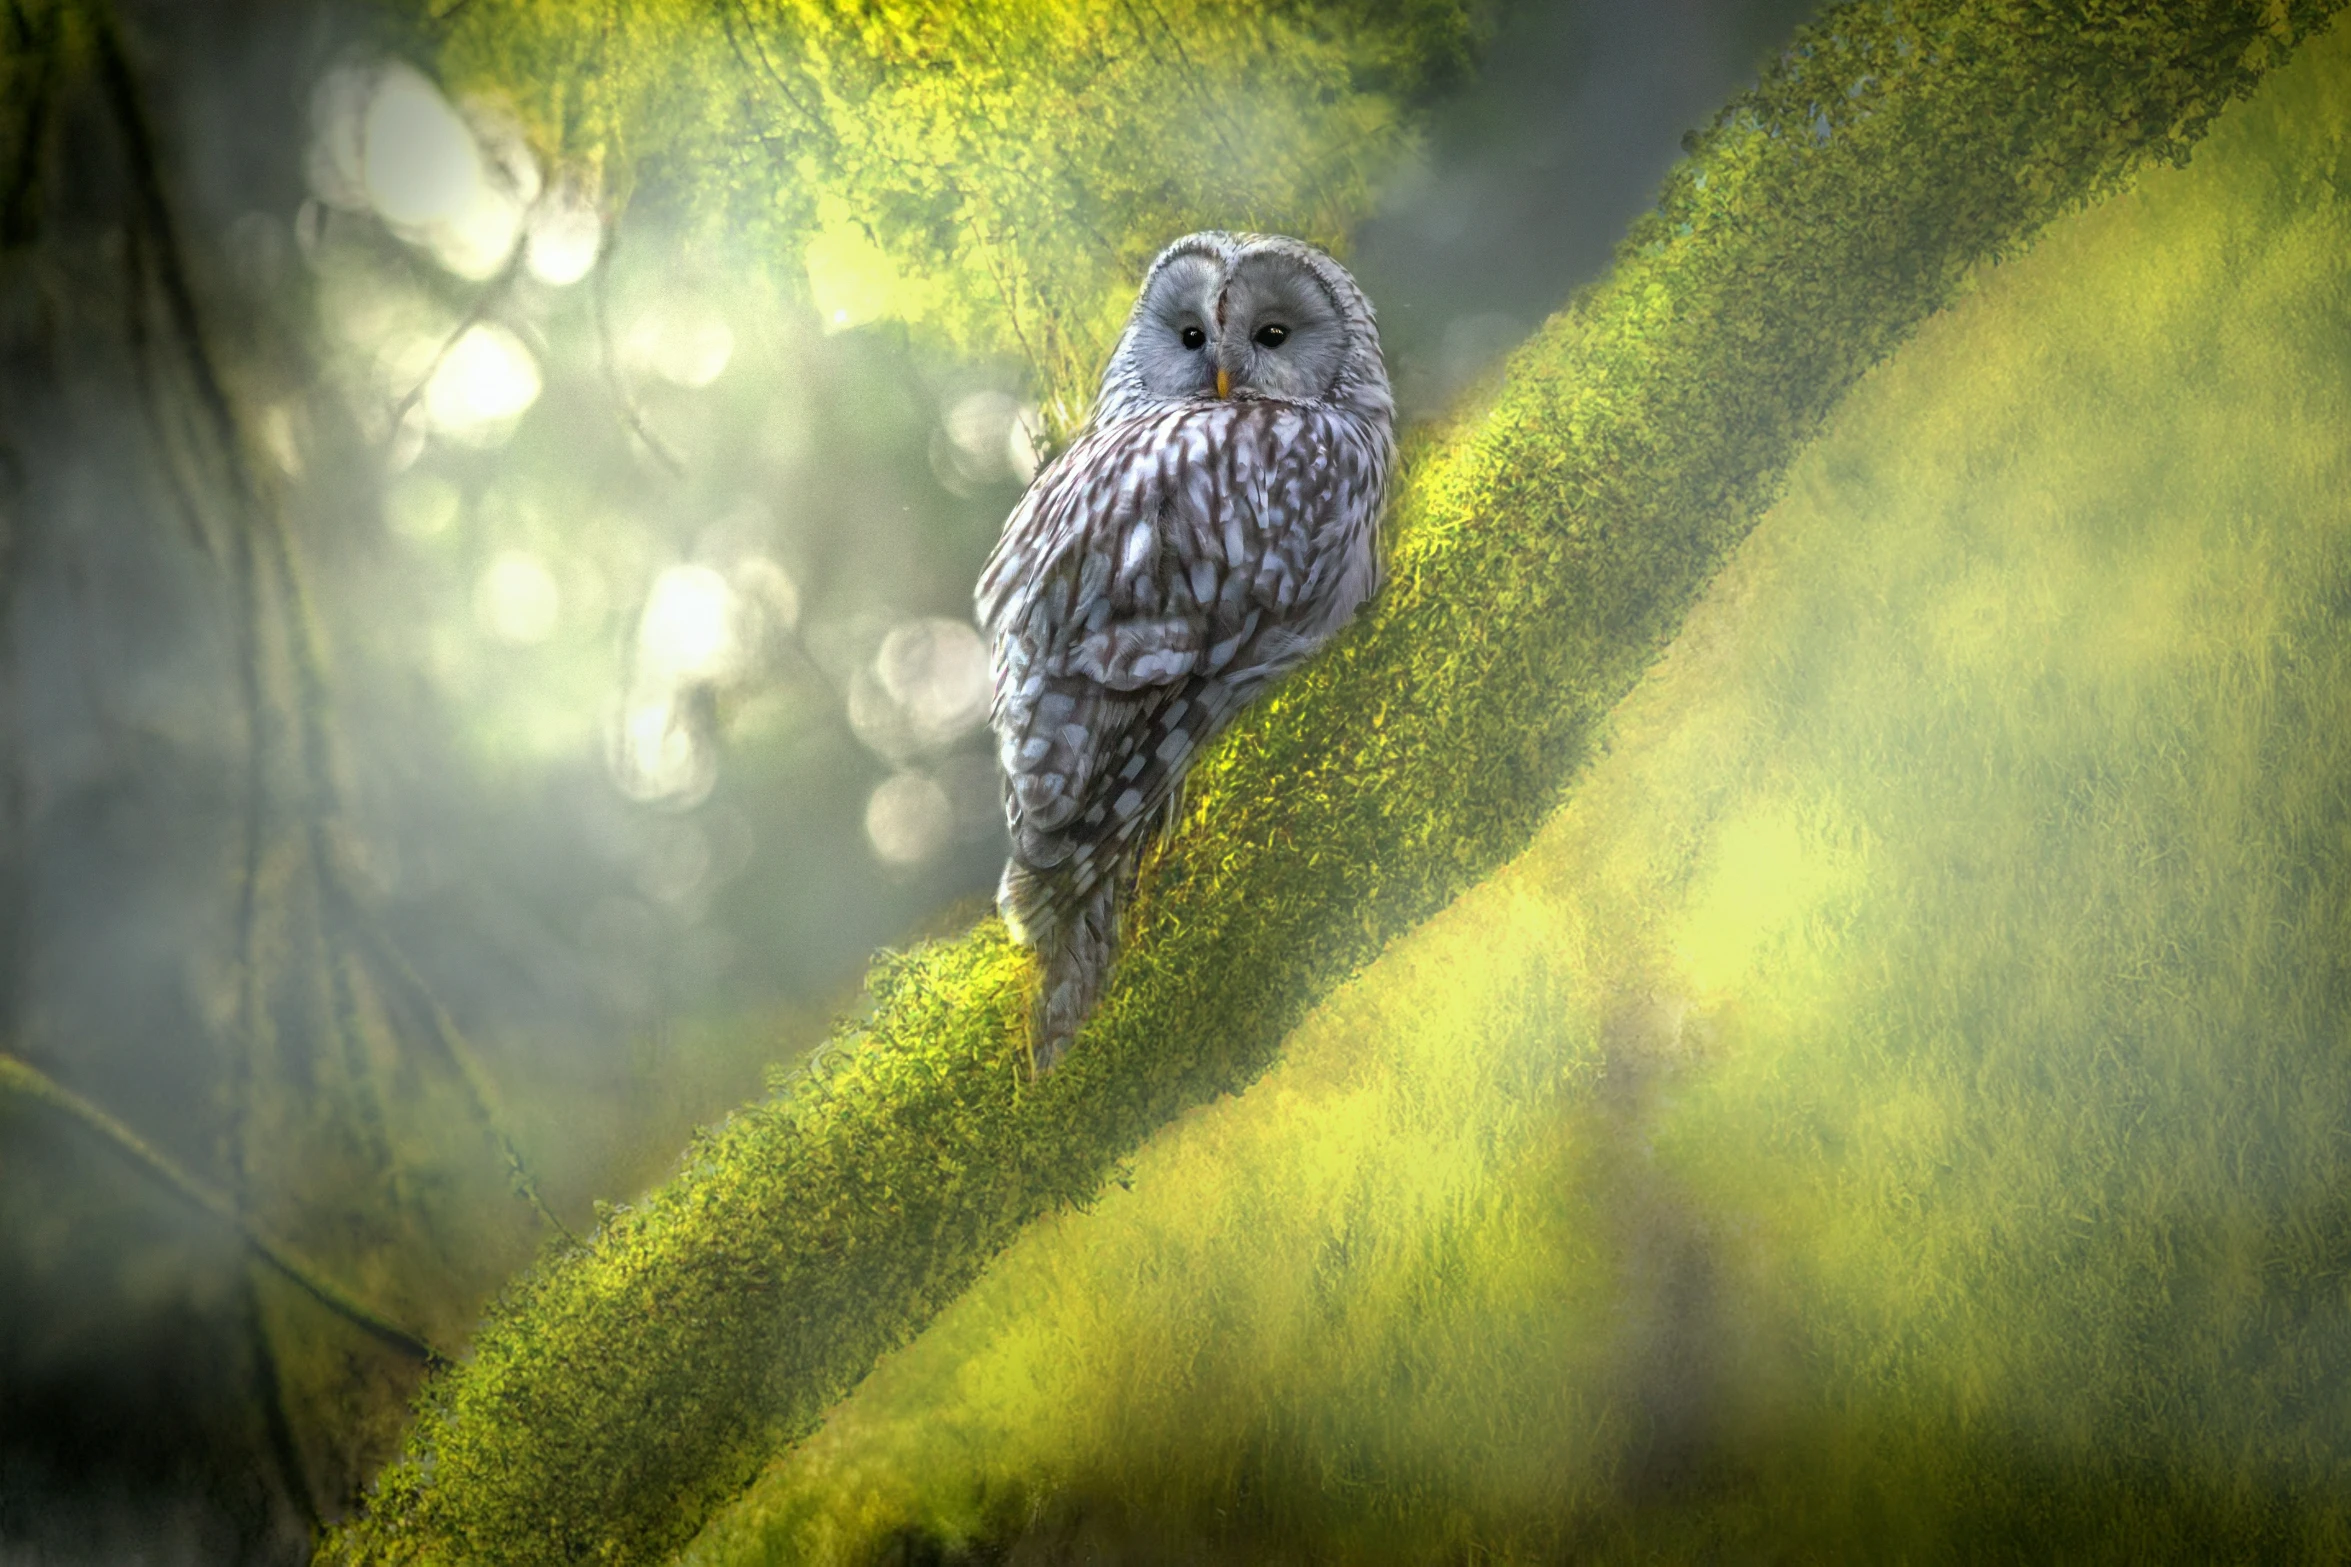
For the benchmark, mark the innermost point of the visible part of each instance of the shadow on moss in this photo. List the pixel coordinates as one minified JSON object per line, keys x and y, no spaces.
{"x":1995,"y":1505}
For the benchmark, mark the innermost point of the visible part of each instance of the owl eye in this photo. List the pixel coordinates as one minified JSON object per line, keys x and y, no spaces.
{"x":1271,"y":335}
{"x":1193,"y":337}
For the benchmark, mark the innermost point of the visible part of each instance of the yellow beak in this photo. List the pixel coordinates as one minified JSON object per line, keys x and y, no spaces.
{"x":1224,"y":383}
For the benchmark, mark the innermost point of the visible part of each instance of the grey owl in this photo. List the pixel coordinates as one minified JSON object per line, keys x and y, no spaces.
{"x":1212,"y":524}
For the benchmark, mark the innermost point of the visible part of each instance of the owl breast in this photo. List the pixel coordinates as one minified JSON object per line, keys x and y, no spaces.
{"x":1156,"y":577}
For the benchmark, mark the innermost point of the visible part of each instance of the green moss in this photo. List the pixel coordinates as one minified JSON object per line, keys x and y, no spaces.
{"x":997,"y":170}
{"x":1544,"y":554}
{"x":1895,"y":1110}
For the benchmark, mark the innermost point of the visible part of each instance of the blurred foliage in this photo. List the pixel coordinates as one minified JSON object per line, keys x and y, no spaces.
{"x":195,"y":977}
{"x":999,"y":172}
{"x":1893,"y":1112}
{"x":44,"y":44}
{"x":1545,"y":551}
{"x":405,"y":500}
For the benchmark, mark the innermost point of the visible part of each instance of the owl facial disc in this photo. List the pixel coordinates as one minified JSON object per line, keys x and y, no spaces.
{"x":1249,"y":316}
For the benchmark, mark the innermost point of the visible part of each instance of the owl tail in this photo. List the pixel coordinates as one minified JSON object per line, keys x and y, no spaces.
{"x":1075,"y":931}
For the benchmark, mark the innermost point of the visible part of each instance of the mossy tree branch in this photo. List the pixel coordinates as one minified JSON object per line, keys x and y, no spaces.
{"x":1544,"y":554}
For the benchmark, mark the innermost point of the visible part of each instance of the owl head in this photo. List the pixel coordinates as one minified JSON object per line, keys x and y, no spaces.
{"x":1247,"y":316}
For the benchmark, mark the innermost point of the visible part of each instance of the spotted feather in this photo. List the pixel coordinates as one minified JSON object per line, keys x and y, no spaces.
{"x":1185,"y":550}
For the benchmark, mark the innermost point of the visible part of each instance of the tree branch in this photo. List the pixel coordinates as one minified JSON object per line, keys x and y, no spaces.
{"x":26,"y":1081}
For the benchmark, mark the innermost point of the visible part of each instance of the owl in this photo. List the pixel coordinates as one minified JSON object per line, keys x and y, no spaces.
{"x":1214,"y":522}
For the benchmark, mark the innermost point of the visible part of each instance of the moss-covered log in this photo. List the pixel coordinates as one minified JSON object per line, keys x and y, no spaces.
{"x":1543,"y":555}
{"x":1892,"y":1112}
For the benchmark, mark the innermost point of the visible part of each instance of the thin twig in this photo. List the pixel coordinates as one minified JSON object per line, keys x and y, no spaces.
{"x":154,"y":222}
{"x":621,"y":394}
{"x":29,"y":1082}
{"x":269,"y":1391}
{"x":827,"y":134}
{"x":171,"y":272}
{"x":1212,"y":108}
{"x":479,"y":308}
{"x":147,"y":370}
{"x":16,"y":224}
{"x":817,"y":123}
{"x":467,"y":1065}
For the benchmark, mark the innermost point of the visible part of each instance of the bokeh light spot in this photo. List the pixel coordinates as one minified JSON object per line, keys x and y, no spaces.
{"x":990,"y":437}
{"x":419,"y":163}
{"x":924,"y":689}
{"x":937,"y":671}
{"x":685,"y":343}
{"x":482,"y":385}
{"x":675,"y":864}
{"x":658,"y":756}
{"x":334,"y":164}
{"x":563,"y":236}
{"x":517,"y":600}
{"x":477,"y":242}
{"x":771,"y":587}
{"x":421,"y":506}
{"x":908,"y":819}
{"x":851,"y":279}
{"x":389,"y":140}
{"x":688,"y":631}
{"x":977,"y":425}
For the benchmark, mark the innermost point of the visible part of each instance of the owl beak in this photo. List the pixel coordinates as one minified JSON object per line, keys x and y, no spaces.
{"x":1224,"y":383}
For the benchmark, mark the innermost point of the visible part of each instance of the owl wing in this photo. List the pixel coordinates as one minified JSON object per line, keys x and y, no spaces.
{"x":1154,"y":577}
